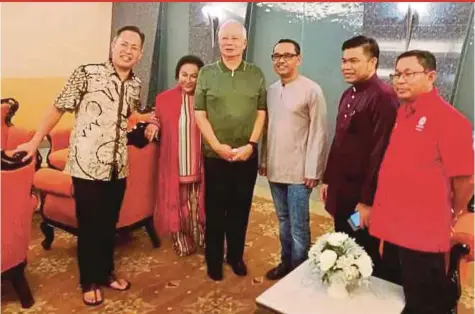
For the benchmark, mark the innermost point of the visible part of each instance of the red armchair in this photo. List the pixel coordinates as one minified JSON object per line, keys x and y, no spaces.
{"x":58,"y":207}
{"x":18,"y":205}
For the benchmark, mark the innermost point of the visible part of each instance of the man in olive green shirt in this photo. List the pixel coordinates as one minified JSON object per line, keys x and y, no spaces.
{"x":230,"y":107}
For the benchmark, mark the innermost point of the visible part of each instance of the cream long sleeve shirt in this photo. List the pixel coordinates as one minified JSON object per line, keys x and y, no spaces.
{"x":295,"y":144}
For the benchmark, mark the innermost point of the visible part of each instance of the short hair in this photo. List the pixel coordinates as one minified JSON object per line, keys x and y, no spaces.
{"x":228,"y":22}
{"x":369,"y":45}
{"x":132,"y":28}
{"x":188,"y":59}
{"x":289,"y":41}
{"x":425,"y":58}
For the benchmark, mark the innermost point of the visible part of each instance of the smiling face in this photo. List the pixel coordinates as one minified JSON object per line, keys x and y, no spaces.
{"x":356,"y":65}
{"x":232,"y":40}
{"x":285,"y":60}
{"x":411,"y":79}
{"x":126,"y":50}
{"x":187,"y":77}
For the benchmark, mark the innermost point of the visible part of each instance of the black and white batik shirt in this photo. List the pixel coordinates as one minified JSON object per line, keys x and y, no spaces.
{"x":101,"y":103}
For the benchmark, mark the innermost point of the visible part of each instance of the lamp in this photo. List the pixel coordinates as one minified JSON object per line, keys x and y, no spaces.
{"x":213,"y":14}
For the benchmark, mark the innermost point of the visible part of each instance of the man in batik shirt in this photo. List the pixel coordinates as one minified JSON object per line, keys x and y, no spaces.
{"x":101,"y":96}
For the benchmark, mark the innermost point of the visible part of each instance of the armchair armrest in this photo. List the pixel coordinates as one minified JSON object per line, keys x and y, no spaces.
{"x":17,"y":136}
{"x":136,"y":117}
{"x":54,"y":182}
{"x":463,"y":233}
{"x":59,"y":139}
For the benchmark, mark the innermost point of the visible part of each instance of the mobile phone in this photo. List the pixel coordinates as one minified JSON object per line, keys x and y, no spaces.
{"x":354,"y":221}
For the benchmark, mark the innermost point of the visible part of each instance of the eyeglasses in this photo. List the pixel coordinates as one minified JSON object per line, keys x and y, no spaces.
{"x":407,"y":76}
{"x":286,"y":56}
{"x":126,"y":46}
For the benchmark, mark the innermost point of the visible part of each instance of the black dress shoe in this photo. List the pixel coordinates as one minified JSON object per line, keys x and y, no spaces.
{"x":216,"y":275}
{"x":278,"y":272}
{"x":239,"y":268}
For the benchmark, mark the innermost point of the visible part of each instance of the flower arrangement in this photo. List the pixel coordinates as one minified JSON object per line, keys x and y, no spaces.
{"x":339,"y":260}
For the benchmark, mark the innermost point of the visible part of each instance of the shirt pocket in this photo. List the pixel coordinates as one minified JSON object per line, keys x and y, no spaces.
{"x":132,"y":98}
{"x":358,"y":121}
{"x":349,"y":120}
{"x":417,"y":150}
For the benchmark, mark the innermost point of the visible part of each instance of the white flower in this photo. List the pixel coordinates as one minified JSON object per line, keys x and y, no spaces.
{"x":337,"y":238}
{"x":365,"y":265}
{"x":327,"y":260}
{"x":345,"y":261}
{"x":321,"y":242}
{"x":351,"y":273}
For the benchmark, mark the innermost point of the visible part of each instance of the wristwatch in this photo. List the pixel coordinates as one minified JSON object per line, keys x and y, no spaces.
{"x":254,"y":147}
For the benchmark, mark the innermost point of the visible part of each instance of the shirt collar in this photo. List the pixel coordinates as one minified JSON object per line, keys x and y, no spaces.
{"x":111,"y":70}
{"x":224,"y":68}
{"x":361,"y":86}
{"x":421,"y":101}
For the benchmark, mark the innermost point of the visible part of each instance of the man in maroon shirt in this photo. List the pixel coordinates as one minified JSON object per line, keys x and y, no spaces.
{"x":365,"y":118}
{"x":425,"y":182}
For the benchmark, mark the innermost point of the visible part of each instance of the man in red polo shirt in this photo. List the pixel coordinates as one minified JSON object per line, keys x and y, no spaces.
{"x":425,"y":182}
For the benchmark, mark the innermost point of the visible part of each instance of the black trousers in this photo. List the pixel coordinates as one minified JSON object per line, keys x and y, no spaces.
{"x":98,"y":205}
{"x":228,"y":198}
{"x":425,"y":283}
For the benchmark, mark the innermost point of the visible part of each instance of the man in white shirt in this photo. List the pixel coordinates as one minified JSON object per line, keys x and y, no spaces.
{"x":294,"y":152}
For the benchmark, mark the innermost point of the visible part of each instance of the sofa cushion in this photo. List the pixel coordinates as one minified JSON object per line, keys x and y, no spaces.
{"x":58,"y":158}
{"x":54,"y":182}
{"x":60,"y":209}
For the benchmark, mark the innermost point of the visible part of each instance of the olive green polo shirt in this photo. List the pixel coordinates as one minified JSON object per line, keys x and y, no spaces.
{"x":231,"y":100}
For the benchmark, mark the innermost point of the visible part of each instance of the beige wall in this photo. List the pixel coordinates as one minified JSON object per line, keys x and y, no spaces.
{"x":41,"y":44}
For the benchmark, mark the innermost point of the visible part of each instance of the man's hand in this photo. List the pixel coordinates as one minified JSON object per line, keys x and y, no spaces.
{"x":323,"y":192}
{"x":224,"y":151}
{"x":365,"y":214}
{"x":151,"y":131}
{"x":30,"y":148}
{"x":263,"y":171}
{"x":243,"y":153}
{"x":310,"y":183}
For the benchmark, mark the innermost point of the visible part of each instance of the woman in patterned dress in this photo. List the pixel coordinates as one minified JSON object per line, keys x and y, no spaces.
{"x":179,"y":209}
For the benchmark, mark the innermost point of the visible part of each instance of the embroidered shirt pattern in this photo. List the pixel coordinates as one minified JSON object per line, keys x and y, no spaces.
{"x":101,"y":103}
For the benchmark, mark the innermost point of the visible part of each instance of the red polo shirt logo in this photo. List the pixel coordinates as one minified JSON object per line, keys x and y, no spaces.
{"x":420,"y":124}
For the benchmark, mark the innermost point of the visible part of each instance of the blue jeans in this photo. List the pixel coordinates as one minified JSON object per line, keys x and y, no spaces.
{"x":291,"y":202}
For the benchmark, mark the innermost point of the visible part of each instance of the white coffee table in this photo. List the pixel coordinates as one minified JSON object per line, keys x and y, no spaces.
{"x":301,"y":292}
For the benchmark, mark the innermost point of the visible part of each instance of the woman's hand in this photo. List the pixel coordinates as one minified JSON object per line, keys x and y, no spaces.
{"x":151,"y":131}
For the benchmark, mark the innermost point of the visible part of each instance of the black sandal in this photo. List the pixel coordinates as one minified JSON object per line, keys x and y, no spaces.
{"x":92,"y":287}
{"x":112,"y":279}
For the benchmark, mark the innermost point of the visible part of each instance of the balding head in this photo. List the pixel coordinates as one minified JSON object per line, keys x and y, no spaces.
{"x":233,"y":24}
{"x":232,"y":39}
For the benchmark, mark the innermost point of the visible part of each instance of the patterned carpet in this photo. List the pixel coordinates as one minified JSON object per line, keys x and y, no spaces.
{"x":161,"y":281}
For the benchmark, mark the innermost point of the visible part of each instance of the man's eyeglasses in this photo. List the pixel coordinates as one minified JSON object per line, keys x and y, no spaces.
{"x":285,"y":56}
{"x":407,"y":76}
{"x":126,"y":46}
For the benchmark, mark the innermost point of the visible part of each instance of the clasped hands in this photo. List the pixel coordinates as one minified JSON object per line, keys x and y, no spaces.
{"x":234,"y":154}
